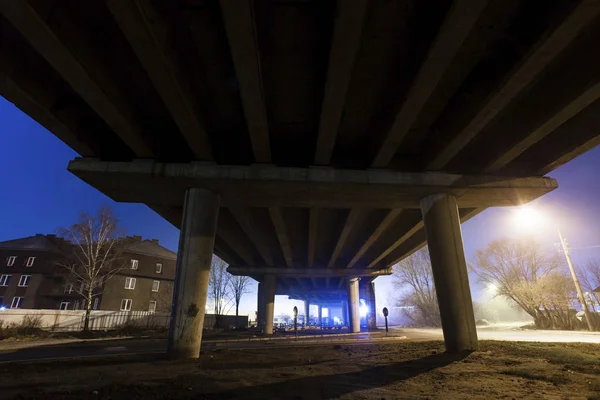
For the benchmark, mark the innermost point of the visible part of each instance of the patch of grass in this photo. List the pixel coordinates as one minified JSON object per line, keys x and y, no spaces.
{"x":554,"y":379}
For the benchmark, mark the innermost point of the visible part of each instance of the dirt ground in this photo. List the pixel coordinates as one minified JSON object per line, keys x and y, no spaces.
{"x":411,"y":370}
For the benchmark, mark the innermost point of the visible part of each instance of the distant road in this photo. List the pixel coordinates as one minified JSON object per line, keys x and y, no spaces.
{"x":507,"y":332}
{"x":48,"y":350}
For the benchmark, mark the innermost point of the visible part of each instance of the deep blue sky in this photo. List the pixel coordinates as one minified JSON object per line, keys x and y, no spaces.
{"x":39,"y":195}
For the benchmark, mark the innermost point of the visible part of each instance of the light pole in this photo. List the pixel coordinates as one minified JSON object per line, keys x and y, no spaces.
{"x":588,"y":317}
{"x":530,"y":216}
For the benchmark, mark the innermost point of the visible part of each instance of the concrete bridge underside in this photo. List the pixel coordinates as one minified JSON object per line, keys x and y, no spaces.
{"x":311,"y":143}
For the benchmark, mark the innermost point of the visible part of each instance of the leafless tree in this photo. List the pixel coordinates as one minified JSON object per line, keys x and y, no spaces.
{"x":414,"y":275}
{"x":589,"y":277}
{"x":219,"y":287}
{"x":238,"y":286}
{"x":532,"y":279}
{"x":95,"y":255}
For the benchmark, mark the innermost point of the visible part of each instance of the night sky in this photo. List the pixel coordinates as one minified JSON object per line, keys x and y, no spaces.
{"x":39,"y":195}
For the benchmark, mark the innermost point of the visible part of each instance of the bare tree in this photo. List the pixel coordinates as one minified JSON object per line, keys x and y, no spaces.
{"x":95,"y":255}
{"x":219,"y":287}
{"x":414,"y":275}
{"x":238,"y":286}
{"x":589,"y":276}
{"x":533,"y":280}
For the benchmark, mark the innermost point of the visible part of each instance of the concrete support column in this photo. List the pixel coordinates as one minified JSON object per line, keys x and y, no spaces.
{"x":194,"y":258}
{"x":345,"y":314}
{"x":267,"y":289}
{"x":261,"y":321}
{"x":370,"y":299}
{"x":354,"y":305}
{"x":320,"y":321}
{"x":444,"y":239}
{"x":306,"y":312}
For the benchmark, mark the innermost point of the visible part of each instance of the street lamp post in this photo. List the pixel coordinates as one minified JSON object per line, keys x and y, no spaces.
{"x":588,"y":317}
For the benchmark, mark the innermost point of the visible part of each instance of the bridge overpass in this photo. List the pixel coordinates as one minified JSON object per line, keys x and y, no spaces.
{"x":311,"y":143}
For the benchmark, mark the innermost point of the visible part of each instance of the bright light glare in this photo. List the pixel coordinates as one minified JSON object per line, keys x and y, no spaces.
{"x":492,"y":289}
{"x":363,"y":309}
{"x":528,"y":217}
{"x":336,"y":320}
{"x":2,"y":308}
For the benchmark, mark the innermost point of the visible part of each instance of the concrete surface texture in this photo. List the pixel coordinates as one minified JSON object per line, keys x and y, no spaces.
{"x":321,"y":125}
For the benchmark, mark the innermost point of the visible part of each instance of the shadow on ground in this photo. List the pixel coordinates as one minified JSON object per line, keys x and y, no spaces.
{"x":336,"y":385}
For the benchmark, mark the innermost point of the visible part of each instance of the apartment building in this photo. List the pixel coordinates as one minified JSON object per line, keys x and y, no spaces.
{"x":31,"y":277}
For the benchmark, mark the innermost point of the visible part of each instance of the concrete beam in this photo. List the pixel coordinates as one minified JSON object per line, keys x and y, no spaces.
{"x":148,"y":35}
{"x":383,"y":225}
{"x":545,"y":53}
{"x":313,"y":227}
{"x":282,"y":235}
{"x":347,"y":35}
{"x":585,"y":99}
{"x":261,"y":186}
{"x":242,"y":216}
{"x":28,"y":103}
{"x":418,"y":226}
{"x":238,"y":17}
{"x":307,"y":272}
{"x":456,"y":27}
{"x":240,"y":249}
{"x":26,"y":20}
{"x":350,"y":222}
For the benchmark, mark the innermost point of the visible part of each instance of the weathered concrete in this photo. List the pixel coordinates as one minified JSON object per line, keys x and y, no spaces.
{"x":194,"y":258}
{"x":308,"y":272}
{"x":444,"y":240}
{"x":369,"y":294}
{"x":354,"y":304}
{"x":267,"y":289}
{"x":261,"y":321}
{"x":271,"y":186}
{"x":306,"y":312}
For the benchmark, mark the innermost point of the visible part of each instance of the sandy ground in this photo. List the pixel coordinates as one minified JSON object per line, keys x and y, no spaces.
{"x":403,"y":370}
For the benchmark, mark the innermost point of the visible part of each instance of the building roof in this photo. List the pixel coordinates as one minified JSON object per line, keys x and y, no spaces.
{"x":38,"y":242}
{"x":152,"y":248}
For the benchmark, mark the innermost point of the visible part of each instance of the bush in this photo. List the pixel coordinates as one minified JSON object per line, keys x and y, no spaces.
{"x":31,"y":325}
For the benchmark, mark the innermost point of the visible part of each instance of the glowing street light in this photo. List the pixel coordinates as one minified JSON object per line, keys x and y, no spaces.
{"x":527,"y":217}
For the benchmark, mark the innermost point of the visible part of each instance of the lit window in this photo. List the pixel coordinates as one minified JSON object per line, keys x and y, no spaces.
{"x":24,"y":281}
{"x":155,"y":286}
{"x":159,"y":268}
{"x":30,"y":261}
{"x":11,"y":260}
{"x":17,"y":302}
{"x":64,"y":305}
{"x":96,"y":301}
{"x":4,"y":280}
{"x":130,"y":283}
{"x":152,"y":307}
{"x":134,"y":263}
{"x":126,"y":305}
{"x":69,"y":288}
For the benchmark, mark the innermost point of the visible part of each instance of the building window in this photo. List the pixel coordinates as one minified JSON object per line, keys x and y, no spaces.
{"x":96,"y":301}
{"x":64,"y":305}
{"x":24,"y":281}
{"x":69,"y":288}
{"x":11,"y":261}
{"x":4,"y":280}
{"x":30,"y":261}
{"x":155,"y":286}
{"x":17,"y":302}
{"x":134,"y":263}
{"x":126,"y":305}
{"x":159,"y":268}
{"x":130,"y":283}
{"x":152,"y":307}
{"x":76,"y":305}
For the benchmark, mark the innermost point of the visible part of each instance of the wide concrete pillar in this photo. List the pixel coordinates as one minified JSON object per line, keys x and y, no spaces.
{"x":354,"y":305}
{"x":194,"y":258}
{"x":370,"y":300}
{"x":444,"y":240}
{"x":320,"y":320}
{"x":306,"y":312}
{"x":267,"y":297}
